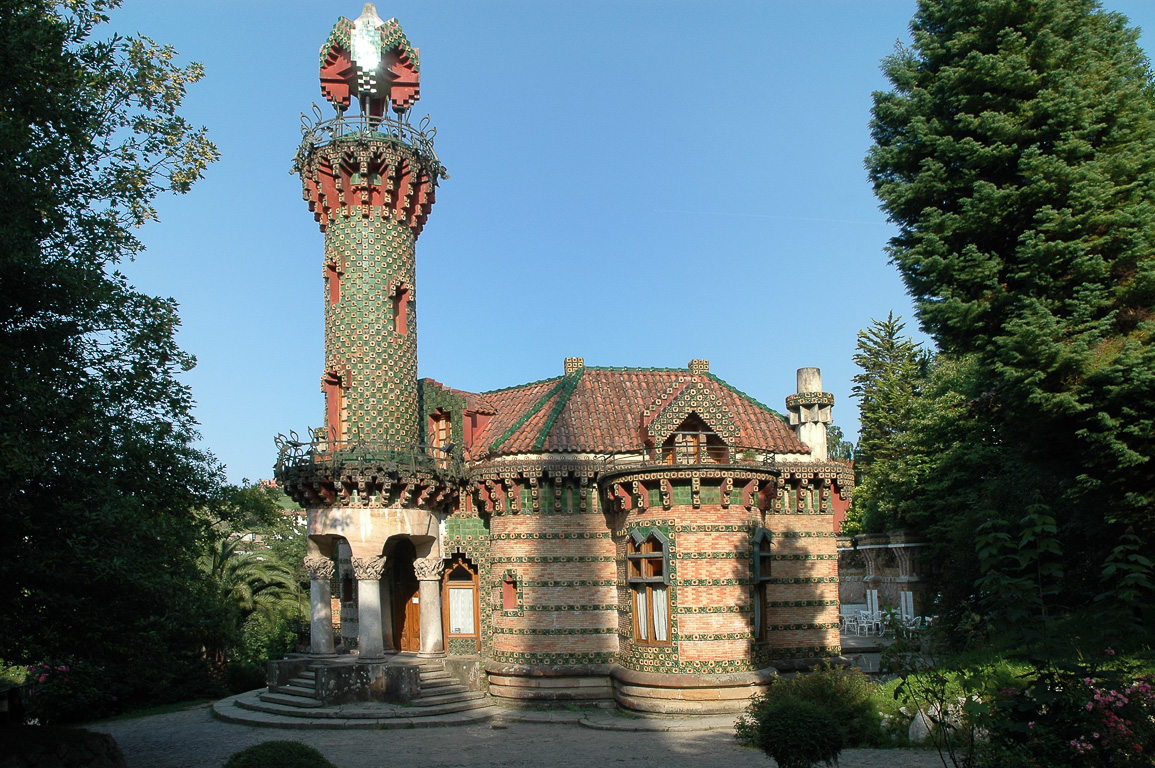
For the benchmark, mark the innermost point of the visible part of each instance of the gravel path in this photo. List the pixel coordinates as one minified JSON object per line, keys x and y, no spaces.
{"x":193,"y":739}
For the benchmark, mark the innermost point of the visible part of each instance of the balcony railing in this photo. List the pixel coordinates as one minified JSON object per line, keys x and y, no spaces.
{"x":317,"y":132}
{"x":688,"y":449}
{"x":330,"y":457}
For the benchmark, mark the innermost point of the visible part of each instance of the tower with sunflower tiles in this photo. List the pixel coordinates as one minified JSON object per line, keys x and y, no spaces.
{"x":369,"y":180}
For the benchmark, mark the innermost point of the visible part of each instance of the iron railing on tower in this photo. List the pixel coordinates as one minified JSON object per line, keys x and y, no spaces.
{"x":316,"y":132}
{"x":321,"y":456}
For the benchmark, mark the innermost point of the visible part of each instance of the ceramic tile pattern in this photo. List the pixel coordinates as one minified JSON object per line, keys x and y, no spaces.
{"x":539,"y":504}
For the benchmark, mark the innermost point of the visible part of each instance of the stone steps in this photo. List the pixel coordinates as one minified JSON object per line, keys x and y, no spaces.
{"x":439,"y":688}
{"x":442,"y":696}
{"x":290,"y":700}
{"x":295,"y":689}
{"x":247,"y":709}
{"x":359,"y":711}
{"x":463,"y":699}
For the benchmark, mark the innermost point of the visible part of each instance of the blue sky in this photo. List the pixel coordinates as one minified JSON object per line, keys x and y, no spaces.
{"x":635,"y":183}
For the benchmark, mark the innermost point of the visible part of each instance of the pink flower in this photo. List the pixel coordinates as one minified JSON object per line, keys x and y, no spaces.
{"x":1095,"y":735}
{"x":43,"y":678}
{"x":1090,"y":706}
{"x":1110,"y":651}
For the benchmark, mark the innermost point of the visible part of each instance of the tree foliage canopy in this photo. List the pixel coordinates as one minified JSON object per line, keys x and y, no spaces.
{"x":104,"y":499}
{"x":1016,"y":154}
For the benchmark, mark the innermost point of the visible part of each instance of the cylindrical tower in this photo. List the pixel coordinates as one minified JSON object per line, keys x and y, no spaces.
{"x":370,"y":182}
{"x":369,"y":179}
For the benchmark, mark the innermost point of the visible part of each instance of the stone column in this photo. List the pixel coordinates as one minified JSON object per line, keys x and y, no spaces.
{"x":387,"y":613}
{"x":370,"y":632}
{"x":320,"y":570}
{"x":429,"y":572}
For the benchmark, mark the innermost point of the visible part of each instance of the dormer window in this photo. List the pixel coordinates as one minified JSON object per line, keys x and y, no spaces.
{"x":695,"y":443}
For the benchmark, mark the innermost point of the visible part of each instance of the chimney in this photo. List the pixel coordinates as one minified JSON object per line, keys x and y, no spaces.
{"x":809,"y":411}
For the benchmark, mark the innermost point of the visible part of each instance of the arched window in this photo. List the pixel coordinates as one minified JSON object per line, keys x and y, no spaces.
{"x":461,"y":617}
{"x":440,"y":433}
{"x":762,"y":562}
{"x":335,"y":416}
{"x":332,"y":284}
{"x":401,"y":310}
{"x":647,"y":564}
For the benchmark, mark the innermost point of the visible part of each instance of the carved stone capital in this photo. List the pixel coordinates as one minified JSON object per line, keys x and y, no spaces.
{"x":367,"y":569}
{"x":319,"y":568}
{"x":429,"y":569}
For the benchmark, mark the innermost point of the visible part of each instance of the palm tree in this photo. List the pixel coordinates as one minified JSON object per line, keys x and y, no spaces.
{"x":248,"y":583}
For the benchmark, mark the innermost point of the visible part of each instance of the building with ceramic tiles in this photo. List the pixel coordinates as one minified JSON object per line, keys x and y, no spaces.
{"x":653,"y":537}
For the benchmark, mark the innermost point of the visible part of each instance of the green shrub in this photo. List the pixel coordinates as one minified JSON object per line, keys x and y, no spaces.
{"x":848,"y":695}
{"x":67,"y":691}
{"x":799,"y":734}
{"x":281,"y":754}
{"x":53,"y":745}
{"x":243,"y":676}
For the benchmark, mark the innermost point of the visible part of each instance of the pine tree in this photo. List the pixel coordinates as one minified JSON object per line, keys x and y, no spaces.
{"x":892,"y":369}
{"x":1016,"y":154}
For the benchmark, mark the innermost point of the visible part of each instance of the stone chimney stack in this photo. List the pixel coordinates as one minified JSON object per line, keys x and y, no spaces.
{"x":809,"y":411}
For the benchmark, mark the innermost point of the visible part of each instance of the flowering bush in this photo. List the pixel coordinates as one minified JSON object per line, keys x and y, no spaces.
{"x":66,"y":691}
{"x":1076,"y":715}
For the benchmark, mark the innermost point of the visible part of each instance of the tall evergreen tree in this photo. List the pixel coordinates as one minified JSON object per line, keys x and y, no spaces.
{"x":1016,"y":154}
{"x":892,"y":367}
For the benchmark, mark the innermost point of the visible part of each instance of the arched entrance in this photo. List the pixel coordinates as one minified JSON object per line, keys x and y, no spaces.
{"x":406,"y":604}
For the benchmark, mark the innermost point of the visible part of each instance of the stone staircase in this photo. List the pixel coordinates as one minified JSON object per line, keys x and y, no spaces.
{"x":443,"y":700}
{"x":442,"y":692}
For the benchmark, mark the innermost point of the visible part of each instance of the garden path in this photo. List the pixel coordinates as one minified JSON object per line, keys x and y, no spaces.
{"x":193,"y":739}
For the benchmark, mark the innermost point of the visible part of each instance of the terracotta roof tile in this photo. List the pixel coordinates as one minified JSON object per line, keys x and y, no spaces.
{"x":511,"y":407}
{"x":600,"y":410}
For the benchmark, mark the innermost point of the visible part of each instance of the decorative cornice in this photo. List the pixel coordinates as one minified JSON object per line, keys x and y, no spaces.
{"x":803,"y":399}
{"x":371,"y":175}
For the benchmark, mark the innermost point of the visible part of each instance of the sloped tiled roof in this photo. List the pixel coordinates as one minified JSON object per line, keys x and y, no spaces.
{"x":601,"y":410}
{"x":473,"y":400}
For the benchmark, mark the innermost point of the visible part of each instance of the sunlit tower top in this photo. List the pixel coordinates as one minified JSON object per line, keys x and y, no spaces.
{"x":370,"y":181}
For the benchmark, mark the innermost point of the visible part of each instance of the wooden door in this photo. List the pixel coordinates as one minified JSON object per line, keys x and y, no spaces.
{"x":406,"y":608}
